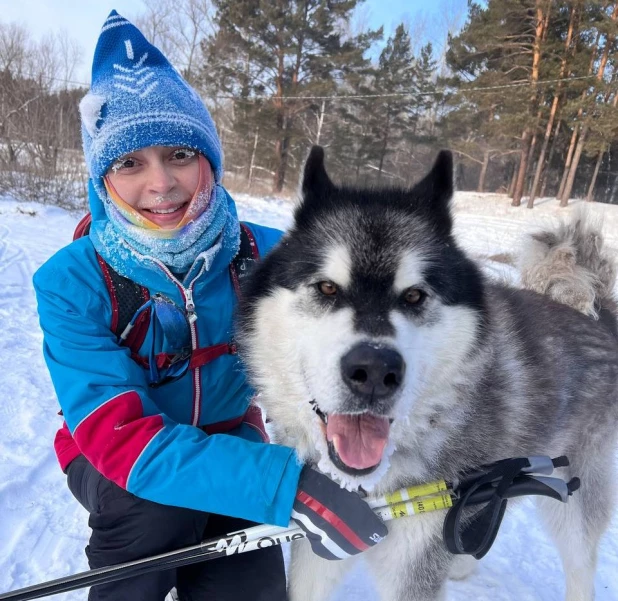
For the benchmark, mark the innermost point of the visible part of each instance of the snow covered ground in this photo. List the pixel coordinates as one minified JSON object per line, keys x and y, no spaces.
{"x":43,"y":530}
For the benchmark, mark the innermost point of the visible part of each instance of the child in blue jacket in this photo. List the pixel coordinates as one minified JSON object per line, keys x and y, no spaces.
{"x":162,"y":446}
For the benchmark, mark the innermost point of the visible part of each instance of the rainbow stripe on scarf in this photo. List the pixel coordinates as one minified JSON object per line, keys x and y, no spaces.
{"x":197,"y":205}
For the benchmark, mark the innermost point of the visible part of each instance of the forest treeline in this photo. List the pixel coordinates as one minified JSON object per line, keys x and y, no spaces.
{"x":524,"y":92}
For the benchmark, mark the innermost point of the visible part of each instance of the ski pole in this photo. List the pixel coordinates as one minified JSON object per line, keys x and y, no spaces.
{"x":408,"y":501}
{"x":257,"y":537}
{"x":261,"y":537}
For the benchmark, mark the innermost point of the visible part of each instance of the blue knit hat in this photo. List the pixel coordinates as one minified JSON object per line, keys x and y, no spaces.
{"x":137,"y":99}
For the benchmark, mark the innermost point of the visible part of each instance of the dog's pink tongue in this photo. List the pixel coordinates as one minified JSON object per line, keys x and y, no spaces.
{"x":358,"y":439}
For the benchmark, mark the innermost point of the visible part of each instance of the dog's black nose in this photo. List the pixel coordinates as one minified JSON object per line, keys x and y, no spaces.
{"x":373,"y":371}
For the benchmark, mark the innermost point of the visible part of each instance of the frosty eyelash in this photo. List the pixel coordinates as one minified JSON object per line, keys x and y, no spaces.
{"x":189,"y":154}
{"x":120,"y":163}
{"x":117,"y":165}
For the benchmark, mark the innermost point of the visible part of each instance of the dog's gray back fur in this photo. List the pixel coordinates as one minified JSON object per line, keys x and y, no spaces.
{"x":546,"y":375}
{"x":535,"y":377}
{"x":571,"y":266}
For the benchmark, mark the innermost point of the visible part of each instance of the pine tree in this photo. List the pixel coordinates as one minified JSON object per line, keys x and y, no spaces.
{"x":345,"y":127}
{"x":392,"y":116}
{"x":486,"y":58}
{"x":497,"y":59}
{"x":564,"y":37}
{"x":283,"y":50}
{"x":428,"y":97}
{"x":599,"y":94}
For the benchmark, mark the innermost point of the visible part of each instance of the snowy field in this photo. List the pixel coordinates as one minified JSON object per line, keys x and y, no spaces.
{"x":43,"y":530}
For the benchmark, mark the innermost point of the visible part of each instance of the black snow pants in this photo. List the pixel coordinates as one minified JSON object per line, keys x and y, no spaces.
{"x":125,"y":528}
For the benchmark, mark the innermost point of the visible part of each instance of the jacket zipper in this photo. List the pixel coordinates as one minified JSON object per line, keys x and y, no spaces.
{"x":187,"y":296}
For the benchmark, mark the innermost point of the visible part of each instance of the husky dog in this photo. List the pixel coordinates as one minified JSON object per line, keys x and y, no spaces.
{"x":386,"y":359}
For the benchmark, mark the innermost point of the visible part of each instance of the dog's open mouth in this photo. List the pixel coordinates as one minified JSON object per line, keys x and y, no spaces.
{"x":355,"y":442}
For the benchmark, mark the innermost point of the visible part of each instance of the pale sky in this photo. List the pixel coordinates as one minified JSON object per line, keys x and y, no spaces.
{"x":84,"y":19}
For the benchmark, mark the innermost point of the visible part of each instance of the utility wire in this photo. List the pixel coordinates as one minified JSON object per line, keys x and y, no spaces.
{"x":405,"y":94}
{"x":344,"y":97}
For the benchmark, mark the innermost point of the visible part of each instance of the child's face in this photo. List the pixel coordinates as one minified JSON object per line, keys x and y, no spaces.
{"x":158,"y":182}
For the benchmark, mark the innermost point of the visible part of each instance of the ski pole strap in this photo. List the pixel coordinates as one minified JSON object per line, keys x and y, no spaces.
{"x":534,"y":464}
{"x":475,"y":536}
{"x":473,"y":533}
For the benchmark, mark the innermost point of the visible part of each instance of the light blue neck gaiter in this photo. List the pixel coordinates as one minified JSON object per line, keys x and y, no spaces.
{"x":118,"y":241}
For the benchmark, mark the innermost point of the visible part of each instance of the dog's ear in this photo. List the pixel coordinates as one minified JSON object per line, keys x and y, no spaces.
{"x":432,"y":195}
{"x":440,"y":179}
{"x":315,"y":178}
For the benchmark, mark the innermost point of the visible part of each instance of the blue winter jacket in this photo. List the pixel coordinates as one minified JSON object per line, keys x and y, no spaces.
{"x":145,"y":439}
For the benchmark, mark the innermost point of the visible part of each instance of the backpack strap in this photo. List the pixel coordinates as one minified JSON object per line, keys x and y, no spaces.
{"x":127,"y":296}
{"x":246,"y":258}
{"x":83,"y":227}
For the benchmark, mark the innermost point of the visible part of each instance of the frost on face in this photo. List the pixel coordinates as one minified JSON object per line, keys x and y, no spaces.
{"x":173,"y":196}
{"x":189,"y":154}
{"x":199,"y":204}
{"x":203,"y":238}
{"x":179,"y":156}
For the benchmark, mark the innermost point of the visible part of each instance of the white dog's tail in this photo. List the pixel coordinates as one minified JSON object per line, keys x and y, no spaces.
{"x":571,"y":265}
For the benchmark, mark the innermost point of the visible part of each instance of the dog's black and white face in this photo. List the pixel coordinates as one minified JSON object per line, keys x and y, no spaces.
{"x":363,"y":311}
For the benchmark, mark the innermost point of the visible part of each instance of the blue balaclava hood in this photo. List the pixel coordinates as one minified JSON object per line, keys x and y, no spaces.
{"x":137,"y":99}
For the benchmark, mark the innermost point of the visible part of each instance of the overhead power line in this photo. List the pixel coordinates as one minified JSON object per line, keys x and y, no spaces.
{"x":344,"y":97}
{"x":409,"y":94}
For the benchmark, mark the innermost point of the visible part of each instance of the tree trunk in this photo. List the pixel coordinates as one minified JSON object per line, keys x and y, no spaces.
{"x":580,"y":112}
{"x":12,"y":153}
{"x":554,"y":106}
{"x":567,"y":166}
{"x":521,"y":172}
{"x":531,"y":158}
{"x":552,"y":149}
{"x":614,"y":191}
{"x":512,"y":183}
{"x":281,"y":122}
{"x":285,"y":116}
{"x":541,"y":161}
{"x":252,"y":163}
{"x":568,"y":186}
{"x":526,"y":137}
{"x":320,"y":122}
{"x":483,"y":173}
{"x":593,"y":181}
{"x":609,"y":44}
{"x":589,"y":196}
{"x":281,"y":155}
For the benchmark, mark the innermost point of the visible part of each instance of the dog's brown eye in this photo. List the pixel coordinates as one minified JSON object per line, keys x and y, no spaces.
{"x":413,"y":296}
{"x":327,"y":288}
